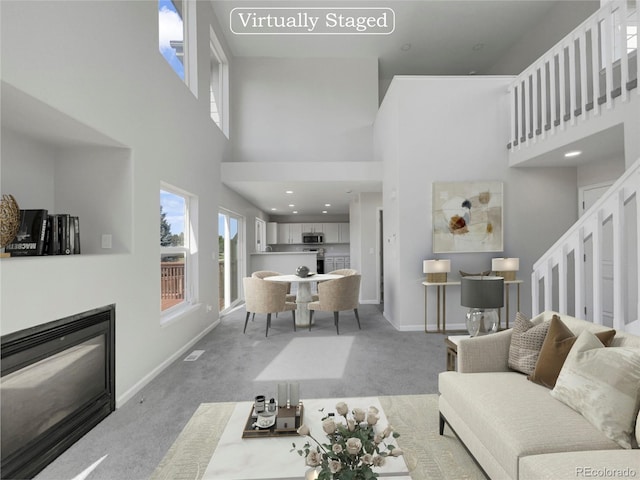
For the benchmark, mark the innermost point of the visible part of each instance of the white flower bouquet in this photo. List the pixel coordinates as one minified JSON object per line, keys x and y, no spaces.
{"x":354,"y":447}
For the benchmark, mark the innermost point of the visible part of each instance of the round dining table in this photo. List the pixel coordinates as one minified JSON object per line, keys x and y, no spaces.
{"x":303,"y":296}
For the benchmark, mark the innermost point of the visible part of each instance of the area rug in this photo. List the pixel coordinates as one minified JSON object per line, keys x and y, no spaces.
{"x":429,"y":456}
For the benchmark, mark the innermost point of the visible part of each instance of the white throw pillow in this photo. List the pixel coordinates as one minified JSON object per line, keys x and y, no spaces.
{"x":602,"y":384}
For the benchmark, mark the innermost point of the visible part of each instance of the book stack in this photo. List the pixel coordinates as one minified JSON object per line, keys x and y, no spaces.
{"x":44,"y":234}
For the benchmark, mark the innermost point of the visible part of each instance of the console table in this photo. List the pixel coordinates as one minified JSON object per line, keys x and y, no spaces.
{"x":441,"y":292}
{"x":441,"y":307}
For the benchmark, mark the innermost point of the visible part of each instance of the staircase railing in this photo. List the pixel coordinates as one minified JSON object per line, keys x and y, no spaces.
{"x":574,"y":80}
{"x":553,"y":281}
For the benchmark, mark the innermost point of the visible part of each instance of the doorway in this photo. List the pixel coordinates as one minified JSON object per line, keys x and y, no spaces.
{"x":230,"y":246}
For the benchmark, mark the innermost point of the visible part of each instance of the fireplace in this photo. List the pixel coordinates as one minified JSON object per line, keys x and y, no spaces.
{"x":57,"y":383}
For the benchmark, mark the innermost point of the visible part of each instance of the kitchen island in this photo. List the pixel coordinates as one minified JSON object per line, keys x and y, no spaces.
{"x":282,"y":262}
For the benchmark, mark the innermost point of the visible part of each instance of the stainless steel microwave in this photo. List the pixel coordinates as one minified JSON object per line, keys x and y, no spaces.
{"x":313,"y":237}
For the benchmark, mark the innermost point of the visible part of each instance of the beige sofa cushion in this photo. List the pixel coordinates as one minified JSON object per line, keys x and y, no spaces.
{"x":513,"y":417}
{"x":603,"y":384}
{"x":601,"y":464}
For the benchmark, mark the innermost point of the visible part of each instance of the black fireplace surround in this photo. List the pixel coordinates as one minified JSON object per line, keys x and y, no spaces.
{"x":57,"y":382}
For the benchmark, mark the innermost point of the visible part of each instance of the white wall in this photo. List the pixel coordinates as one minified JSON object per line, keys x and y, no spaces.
{"x":98,"y":63}
{"x":432,"y":129}
{"x":304,"y":110}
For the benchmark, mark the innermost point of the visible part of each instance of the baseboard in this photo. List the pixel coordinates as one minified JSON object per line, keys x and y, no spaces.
{"x":370,"y":302}
{"x":419,"y":327}
{"x":125,"y":397}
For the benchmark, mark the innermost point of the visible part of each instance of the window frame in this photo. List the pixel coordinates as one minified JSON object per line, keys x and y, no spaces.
{"x":189,"y":251}
{"x":216,"y":52}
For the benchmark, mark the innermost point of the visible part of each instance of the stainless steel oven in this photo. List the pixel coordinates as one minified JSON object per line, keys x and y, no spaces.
{"x":319,"y":258}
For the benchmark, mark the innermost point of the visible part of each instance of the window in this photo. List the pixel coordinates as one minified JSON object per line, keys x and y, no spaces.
{"x":218,"y":90}
{"x":177,"y":38}
{"x":175,"y":249}
{"x":171,"y":34}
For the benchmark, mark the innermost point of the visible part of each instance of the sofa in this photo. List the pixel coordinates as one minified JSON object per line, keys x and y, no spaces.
{"x":515,"y":428}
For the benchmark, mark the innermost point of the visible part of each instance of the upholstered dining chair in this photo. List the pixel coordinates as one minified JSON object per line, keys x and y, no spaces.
{"x":345,"y":272}
{"x":266,"y":297}
{"x":268,"y":273}
{"x":336,"y":296}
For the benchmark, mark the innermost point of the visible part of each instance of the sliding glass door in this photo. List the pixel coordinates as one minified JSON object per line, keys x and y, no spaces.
{"x":230,"y":246}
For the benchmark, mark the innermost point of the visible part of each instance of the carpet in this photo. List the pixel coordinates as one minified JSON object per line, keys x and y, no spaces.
{"x":427,"y":454}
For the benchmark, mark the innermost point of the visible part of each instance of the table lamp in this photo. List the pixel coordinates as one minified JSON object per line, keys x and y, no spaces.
{"x":505,"y":267}
{"x":436,"y":270}
{"x":482,"y":295}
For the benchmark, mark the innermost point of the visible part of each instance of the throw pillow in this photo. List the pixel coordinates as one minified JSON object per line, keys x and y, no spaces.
{"x":554,"y":351}
{"x":526,"y":342}
{"x":603,"y":385}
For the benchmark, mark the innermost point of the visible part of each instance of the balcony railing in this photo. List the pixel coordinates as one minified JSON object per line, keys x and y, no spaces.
{"x":171,"y":284}
{"x":579,"y":76}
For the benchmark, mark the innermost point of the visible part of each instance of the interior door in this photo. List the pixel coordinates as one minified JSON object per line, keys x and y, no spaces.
{"x":587,"y":197}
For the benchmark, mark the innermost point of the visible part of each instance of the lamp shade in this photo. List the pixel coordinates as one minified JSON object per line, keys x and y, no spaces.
{"x":436,"y":266}
{"x":505,"y":264}
{"x":482,"y":292}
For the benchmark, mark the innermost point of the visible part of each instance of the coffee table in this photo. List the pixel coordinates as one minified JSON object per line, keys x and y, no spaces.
{"x":237,"y":458}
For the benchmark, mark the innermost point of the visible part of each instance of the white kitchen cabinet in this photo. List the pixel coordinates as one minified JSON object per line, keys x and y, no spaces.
{"x":272,"y":233}
{"x":336,"y":233}
{"x":312,"y":227}
{"x":289,"y":233}
{"x":338,"y":263}
{"x":329,"y":264}
{"x":331,"y":233}
{"x":344,"y":232}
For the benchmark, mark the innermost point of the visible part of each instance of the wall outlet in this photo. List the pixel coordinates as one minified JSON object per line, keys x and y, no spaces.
{"x":106,"y":240}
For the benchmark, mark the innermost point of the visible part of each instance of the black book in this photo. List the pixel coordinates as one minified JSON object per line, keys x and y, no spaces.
{"x":30,"y":237}
{"x":65,"y":231}
{"x":76,"y":231}
{"x":53,"y":247}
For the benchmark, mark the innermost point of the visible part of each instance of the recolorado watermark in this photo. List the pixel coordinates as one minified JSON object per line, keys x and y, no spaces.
{"x":606,"y":472}
{"x":312,"y":21}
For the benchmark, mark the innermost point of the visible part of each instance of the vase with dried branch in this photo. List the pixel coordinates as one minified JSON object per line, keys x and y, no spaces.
{"x":9,"y":221}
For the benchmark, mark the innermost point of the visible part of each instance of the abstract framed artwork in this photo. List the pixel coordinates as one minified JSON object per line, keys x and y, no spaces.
{"x":467,"y":217}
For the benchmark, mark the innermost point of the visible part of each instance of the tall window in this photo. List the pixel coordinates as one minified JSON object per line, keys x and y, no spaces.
{"x":218,"y":88}
{"x":175,"y":241}
{"x":171,"y":34}
{"x":177,"y":38}
{"x":230,"y":246}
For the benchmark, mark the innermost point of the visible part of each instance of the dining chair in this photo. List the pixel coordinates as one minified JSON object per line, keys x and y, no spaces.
{"x":338,"y":295}
{"x":345,"y":272}
{"x":266,"y":297}
{"x":268,"y":273}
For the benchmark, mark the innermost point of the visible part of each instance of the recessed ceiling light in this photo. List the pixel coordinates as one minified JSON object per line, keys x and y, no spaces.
{"x":291,"y":205}
{"x":295,"y":211}
{"x":273,"y":209}
{"x":289,"y":192}
{"x":324,"y":211}
{"x":573,"y":153}
{"x":327,"y":204}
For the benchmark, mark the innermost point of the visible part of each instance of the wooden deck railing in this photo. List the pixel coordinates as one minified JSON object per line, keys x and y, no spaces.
{"x":171,"y":283}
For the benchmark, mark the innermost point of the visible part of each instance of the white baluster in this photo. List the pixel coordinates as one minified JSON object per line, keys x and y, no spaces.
{"x":562,"y":87}
{"x":543,"y":100}
{"x":624,"y":56}
{"x":607,"y":55}
{"x":578,"y":256}
{"x":554,"y":93}
{"x":573,"y":90}
{"x":619,"y":263}
{"x":595,"y":64}
{"x":583,"y":72}
{"x":596,"y":240}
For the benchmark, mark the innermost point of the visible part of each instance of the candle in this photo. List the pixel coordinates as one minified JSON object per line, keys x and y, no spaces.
{"x":282,"y":394}
{"x":294,"y":393}
{"x":312,"y":474}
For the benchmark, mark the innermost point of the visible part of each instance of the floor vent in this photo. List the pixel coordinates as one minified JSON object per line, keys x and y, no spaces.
{"x":193,"y":356}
